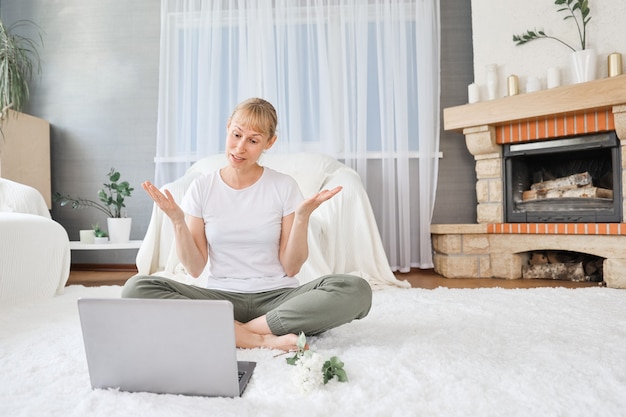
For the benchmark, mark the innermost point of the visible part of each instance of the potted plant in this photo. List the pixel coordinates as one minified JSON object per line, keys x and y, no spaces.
{"x":24,"y":139}
{"x":584,"y":60}
{"x":100,"y":235}
{"x":112,"y":196}
{"x":19,"y":56}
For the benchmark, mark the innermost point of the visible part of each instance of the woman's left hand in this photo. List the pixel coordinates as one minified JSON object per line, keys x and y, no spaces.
{"x":310,"y":204}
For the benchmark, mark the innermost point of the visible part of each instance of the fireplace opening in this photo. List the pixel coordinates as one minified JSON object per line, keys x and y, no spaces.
{"x":564,"y":266}
{"x":567,"y":180}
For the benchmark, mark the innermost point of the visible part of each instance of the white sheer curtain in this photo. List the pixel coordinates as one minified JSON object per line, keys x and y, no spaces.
{"x":358,"y":80}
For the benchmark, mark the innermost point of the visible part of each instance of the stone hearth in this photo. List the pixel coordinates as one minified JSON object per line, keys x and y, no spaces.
{"x":493,"y":248}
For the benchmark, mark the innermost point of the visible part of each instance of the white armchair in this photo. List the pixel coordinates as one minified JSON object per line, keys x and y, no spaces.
{"x":343,"y":236}
{"x":34,"y":249}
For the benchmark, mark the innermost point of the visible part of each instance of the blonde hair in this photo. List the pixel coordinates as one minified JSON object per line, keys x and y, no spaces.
{"x":256,"y":114}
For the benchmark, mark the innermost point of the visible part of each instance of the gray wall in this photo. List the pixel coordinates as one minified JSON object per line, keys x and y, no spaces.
{"x":456,"y":195}
{"x":99,"y":90}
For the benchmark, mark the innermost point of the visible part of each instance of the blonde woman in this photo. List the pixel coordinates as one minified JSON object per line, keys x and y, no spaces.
{"x":249,"y":224}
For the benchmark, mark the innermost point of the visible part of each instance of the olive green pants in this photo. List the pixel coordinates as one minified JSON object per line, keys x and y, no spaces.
{"x":312,"y":308}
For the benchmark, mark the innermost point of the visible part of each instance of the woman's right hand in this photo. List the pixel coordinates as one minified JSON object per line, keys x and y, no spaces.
{"x":165,"y":201}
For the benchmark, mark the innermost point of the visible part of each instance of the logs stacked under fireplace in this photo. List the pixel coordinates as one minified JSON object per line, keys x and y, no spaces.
{"x":563,"y":265}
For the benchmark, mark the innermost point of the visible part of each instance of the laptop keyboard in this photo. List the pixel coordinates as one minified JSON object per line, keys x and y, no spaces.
{"x":241,"y":374}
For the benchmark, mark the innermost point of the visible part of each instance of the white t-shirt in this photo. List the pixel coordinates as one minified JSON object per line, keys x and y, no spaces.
{"x":243,"y":229}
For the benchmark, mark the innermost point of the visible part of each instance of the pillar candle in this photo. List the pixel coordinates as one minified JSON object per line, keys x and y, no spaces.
{"x":513,"y":85}
{"x":554,"y":77}
{"x":473,"y":93}
{"x":615,"y":64}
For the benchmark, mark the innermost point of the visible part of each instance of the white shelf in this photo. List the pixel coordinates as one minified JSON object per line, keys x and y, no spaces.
{"x":131,"y":244}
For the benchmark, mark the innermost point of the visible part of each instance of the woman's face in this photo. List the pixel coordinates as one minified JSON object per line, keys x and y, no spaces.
{"x":244,"y":146}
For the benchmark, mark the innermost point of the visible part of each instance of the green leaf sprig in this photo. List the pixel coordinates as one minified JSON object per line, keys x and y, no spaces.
{"x":571,"y":6}
{"x":333,"y":367}
{"x":301,"y":344}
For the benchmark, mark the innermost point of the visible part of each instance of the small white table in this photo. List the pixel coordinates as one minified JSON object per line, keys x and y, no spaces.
{"x":131,"y":244}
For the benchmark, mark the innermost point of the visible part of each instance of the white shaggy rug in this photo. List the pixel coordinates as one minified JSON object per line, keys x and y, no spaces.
{"x":443,"y":352}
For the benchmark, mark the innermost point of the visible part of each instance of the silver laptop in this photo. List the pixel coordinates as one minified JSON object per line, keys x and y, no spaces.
{"x":163,"y":346}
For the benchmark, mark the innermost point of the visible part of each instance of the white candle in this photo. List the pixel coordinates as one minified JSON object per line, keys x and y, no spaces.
{"x":492,"y":81}
{"x":473,"y":93}
{"x":554,"y":77}
{"x":87,"y":236}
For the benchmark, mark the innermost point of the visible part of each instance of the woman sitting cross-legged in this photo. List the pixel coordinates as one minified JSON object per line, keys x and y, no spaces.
{"x":249,"y":223}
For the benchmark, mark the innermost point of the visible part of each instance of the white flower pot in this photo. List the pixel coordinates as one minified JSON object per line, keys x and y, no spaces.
{"x":119,"y":229}
{"x":584,"y":65}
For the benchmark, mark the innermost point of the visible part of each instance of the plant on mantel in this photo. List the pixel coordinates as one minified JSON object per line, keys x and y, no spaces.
{"x":111,"y":196}
{"x":576,"y":10}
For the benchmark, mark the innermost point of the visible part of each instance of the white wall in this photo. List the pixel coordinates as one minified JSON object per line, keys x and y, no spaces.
{"x":495,"y":21}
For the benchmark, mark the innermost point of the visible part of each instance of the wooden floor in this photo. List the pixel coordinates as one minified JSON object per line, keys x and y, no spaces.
{"x":418,"y":278}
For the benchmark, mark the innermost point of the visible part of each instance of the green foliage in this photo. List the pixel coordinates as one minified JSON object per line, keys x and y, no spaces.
{"x":99,"y":232}
{"x":571,"y":6}
{"x":334,"y":368}
{"x":301,"y":344}
{"x":19,"y":56}
{"x":331,"y":368}
{"x":111,"y":196}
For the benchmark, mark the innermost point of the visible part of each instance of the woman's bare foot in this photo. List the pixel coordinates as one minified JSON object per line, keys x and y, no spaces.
{"x":248,"y":339}
{"x":287,"y":342}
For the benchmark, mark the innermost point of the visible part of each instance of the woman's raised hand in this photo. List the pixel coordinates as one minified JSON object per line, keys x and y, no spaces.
{"x":165,"y":201}
{"x":310,"y":204}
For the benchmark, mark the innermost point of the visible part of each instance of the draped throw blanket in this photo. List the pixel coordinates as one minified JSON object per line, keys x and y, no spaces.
{"x":343,"y":236}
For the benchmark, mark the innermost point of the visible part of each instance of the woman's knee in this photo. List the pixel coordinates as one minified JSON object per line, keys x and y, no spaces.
{"x":131,"y":287}
{"x":357,"y":291}
{"x":363,"y":291}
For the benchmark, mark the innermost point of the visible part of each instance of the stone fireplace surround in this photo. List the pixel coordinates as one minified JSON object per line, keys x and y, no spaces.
{"x":494,"y":249}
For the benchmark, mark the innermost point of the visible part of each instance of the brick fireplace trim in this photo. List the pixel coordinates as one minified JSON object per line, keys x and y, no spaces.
{"x":550,"y":127}
{"x":611,"y":229}
{"x":496,"y":249}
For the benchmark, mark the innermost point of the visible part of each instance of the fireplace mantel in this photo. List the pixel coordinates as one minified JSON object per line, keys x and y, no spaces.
{"x":593,"y":95}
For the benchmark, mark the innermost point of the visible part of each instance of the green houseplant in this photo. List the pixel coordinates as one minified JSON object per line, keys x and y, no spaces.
{"x":571,"y":7}
{"x":98,"y":232}
{"x":112,"y":196}
{"x":24,"y":139}
{"x":583,"y":60}
{"x":100,"y":236}
{"x":19,"y":57}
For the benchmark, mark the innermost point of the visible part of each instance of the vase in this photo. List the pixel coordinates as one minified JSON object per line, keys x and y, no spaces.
{"x":492,"y":81}
{"x":119,"y":229}
{"x":584,"y":65}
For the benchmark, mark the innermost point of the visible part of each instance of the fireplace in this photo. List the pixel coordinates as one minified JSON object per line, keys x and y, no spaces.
{"x":550,"y":168}
{"x":568,"y":180}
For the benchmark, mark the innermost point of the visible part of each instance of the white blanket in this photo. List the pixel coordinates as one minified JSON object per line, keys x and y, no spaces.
{"x":20,"y":198}
{"x":343,"y":235}
{"x":34,"y":249}
{"x":34,"y":257}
